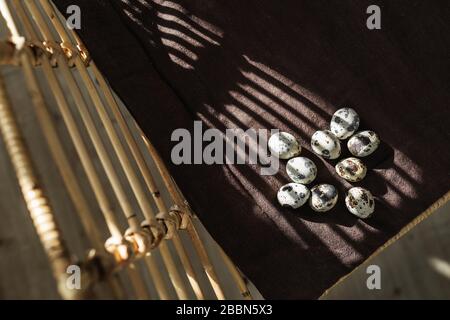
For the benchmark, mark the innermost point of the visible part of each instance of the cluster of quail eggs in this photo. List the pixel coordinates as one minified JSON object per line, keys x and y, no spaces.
{"x":302,"y":171}
{"x":327,"y":144}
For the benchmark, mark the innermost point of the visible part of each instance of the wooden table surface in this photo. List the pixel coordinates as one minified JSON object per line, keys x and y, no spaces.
{"x":415,"y":267}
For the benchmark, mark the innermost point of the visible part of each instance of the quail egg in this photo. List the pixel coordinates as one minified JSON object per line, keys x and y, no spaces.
{"x":363,"y":143}
{"x":351,"y":169}
{"x":325,"y":144}
{"x":284,"y":145}
{"x":323,"y":197}
{"x":360,"y":202}
{"x":293,"y":195}
{"x":344,"y":123}
{"x":301,"y":170}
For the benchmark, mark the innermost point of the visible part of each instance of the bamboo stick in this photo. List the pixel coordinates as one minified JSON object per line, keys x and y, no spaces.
{"x":123,"y":159}
{"x":158,"y":280}
{"x":235,"y":273}
{"x":70,"y":123}
{"x":204,"y":257}
{"x":116,"y":287}
{"x":134,"y":182}
{"x":54,"y":143}
{"x":80,"y":146}
{"x":148,"y":178}
{"x":174,"y":192}
{"x":37,"y":203}
{"x":53,"y":82}
{"x":7,"y":53}
{"x":89,"y":227}
{"x":85,"y":158}
{"x":178,"y":199}
{"x":106,"y":162}
{"x":51,"y":135}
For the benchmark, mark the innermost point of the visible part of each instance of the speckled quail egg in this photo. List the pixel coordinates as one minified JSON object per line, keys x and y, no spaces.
{"x":325,"y":144}
{"x":301,"y":170}
{"x":284,"y":145}
{"x":360,"y":202}
{"x":363,"y":143}
{"x":344,"y":123}
{"x":323,"y":197}
{"x":293,"y":195}
{"x":351,"y":169}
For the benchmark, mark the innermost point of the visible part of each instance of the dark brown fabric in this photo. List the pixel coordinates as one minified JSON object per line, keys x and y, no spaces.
{"x":287,"y":65}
